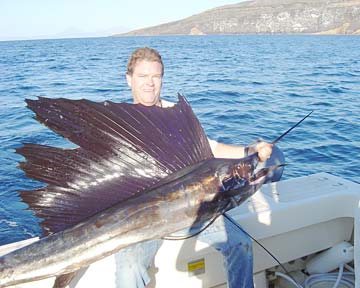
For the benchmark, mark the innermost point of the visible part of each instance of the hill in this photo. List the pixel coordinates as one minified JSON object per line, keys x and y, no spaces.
{"x":266,"y":17}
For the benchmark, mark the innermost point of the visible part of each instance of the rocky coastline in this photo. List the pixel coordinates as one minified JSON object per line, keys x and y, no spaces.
{"x":266,"y":17}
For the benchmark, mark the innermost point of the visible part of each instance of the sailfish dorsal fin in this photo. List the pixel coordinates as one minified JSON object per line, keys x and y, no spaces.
{"x":124,"y":149}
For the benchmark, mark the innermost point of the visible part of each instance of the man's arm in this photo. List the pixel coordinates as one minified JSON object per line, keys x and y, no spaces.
{"x":221,"y":150}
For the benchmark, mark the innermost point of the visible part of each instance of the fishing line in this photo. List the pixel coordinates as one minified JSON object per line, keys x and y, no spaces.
{"x":262,"y":246}
{"x":175,"y":238}
{"x":257,"y":242}
{"x":183,"y":237}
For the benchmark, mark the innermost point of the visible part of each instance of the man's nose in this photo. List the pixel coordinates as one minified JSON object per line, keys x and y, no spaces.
{"x":149,"y":80}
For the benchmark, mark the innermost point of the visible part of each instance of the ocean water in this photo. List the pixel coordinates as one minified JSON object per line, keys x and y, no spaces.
{"x":242,"y":88}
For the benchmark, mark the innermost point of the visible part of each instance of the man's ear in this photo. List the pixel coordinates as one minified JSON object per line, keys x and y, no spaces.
{"x":128,"y":79}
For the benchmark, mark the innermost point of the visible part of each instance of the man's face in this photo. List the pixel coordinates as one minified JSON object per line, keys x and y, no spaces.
{"x":146,"y":82}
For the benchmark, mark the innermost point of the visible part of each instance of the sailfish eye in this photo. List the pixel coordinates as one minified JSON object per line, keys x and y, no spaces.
{"x":228,"y":183}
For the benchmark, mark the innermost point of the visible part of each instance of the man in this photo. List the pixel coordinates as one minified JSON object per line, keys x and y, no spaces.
{"x":144,"y":75}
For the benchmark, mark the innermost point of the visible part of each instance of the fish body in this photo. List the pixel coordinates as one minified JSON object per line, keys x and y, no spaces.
{"x":187,"y":197}
{"x":139,"y":173}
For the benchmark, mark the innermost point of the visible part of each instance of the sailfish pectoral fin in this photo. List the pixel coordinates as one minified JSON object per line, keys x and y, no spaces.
{"x":64,"y":280}
{"x":263,"y":172}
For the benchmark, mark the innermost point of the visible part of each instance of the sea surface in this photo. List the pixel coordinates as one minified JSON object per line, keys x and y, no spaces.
{"x":242,"y":88}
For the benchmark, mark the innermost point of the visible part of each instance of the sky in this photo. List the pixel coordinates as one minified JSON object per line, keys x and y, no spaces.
{"x":37,"y":19}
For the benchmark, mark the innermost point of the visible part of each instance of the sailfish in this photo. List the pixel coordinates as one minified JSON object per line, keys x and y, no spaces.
{"x":138,"y":173}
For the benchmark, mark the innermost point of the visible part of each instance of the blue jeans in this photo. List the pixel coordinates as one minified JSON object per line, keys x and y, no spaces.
{"x":235,"y":245}
{"x":132,"y":264}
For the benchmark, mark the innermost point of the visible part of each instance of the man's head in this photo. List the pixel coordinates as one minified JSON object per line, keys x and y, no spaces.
{"x":144,"y":74}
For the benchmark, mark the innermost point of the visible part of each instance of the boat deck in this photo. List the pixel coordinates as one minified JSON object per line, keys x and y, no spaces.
{"x":292,"y":218}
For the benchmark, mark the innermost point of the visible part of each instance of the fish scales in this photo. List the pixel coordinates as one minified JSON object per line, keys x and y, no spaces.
{"x":138,"y":219}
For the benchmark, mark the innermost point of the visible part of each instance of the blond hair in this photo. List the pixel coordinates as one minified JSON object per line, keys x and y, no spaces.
{"x":144,"y":53}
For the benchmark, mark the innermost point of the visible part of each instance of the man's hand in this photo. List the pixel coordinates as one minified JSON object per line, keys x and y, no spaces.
{"x":264,"y":150}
